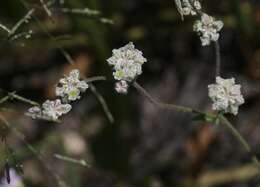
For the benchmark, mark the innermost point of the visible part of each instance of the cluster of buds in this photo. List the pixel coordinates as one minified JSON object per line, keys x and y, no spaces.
{"x":127,"y":65}
{"x":68,"y":89}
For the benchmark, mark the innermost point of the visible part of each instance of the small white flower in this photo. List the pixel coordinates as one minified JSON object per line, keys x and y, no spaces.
{"x":34,"y":112}
{"x":54,"y":109}
{"x":71,"y":86}
{"x":50,"y":110}
{"x":187,"y":9}
{"x":121,"y":87}
{"x":226,"y":95}
{"x":208,"y":29}
{"x":127,"y":62}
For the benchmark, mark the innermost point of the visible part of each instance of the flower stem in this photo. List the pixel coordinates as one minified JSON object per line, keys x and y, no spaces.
{"x":13,"y":95}
{"x":103,"y":103}
{"x":96,"y":78}
{"x":222,"y":119}
{"x":72,"y":160}
{"x":165,"y":105}
{"x":218,"y":58}
{"x":240,"y":139}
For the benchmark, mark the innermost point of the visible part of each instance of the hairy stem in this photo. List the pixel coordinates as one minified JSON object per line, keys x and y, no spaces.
{"x":3,"y":27}
{"x":89,"y":13}
{"x":94,"y":79}
{"x":217,"y":47}
{"x":240,"y":139}
{"x":45,"y":7}
{"x":102,"y":102}
{"x":218,"y":58}
{"x":21,"y":22}
{"x":71,"y":160}
{"x":222,"y":119}
{"x":13,"y":95}
{"x":166,"y":106}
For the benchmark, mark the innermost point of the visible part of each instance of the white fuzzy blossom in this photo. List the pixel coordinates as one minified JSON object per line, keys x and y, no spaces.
{"x":226,"y":95}
{"x":71,"y":86}
{"x":207,"y":27}
{"x":188,"y":9}
{"x":121,"y":87}
{"x":54,"y":109}
{"x":34,"y":112}
{"x":127,"y":62}
{"x":51,"y":110}
{"x":69,"y":89}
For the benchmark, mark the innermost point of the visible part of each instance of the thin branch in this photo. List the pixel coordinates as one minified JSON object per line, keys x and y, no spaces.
{"x":240,"y":139}
{"x":38,"y":155}
{"x":217,"y":47}
{"x":102,"y":102}
{"x":88,"y":12}
{"x":21,"y":21}
{"x":4,"y":99}
{"x":93,"y":79}
{"x":225,"y":176}
{"x":13,"y":95}
{"x":85,"y":11}
{"x":218,"y":58}
{"x":166,"y":106}
{"x":20,"y":35}
{"x":72,"y":160}
{"x":66,"y":55}
{"x":3,"y":27}
{"x":45,"y":7}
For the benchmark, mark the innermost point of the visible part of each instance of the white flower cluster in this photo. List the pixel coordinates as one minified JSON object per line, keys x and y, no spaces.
{"x":208,"y":29}
{"x":70,"y":86}
{"x":188,"y":9}
{"x":69,"y":89}
{"x":127,"y":64}
{"x":226,"y":95}
{"x":49,"y":110}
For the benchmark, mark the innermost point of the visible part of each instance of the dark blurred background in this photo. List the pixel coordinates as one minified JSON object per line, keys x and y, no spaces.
{"x":146,"y":146}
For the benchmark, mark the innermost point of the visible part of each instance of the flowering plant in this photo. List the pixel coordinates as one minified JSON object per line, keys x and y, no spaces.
{"x":226,"y":95}
{"x":71,"y":86}
{"x":127,"y":64}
